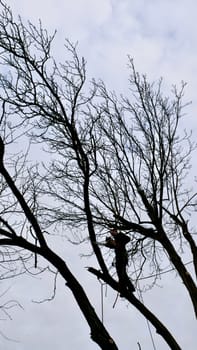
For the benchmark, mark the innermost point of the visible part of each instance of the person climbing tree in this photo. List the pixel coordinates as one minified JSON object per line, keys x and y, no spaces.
{"x":118,"y":243}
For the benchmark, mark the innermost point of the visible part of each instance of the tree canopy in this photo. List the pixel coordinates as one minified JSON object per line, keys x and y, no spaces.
{"x":111,"y":162}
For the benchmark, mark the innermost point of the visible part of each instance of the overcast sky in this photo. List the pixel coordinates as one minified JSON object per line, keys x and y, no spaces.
{"x":161,"y":36}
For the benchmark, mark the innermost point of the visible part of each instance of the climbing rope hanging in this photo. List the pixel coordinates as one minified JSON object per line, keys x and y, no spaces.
{"x":102,"y":302}
{"x":103,"y":284}
{"x":142,"y":300}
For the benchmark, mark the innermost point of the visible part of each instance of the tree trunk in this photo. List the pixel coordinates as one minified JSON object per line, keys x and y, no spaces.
{"x":181,"y":269}
{"x":159,"y":326}
{"x":98,"y":332}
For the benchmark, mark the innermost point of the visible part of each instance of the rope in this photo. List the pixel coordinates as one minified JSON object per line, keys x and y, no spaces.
{"x":102,"y":308}
{"x":161,"y":273}
{"x":148,"y":323}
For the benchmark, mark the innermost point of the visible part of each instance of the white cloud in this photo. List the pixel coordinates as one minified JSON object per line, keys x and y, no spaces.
{"x":161,"y":36}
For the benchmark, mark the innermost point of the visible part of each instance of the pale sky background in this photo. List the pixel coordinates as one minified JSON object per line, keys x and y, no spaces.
{"x":161,"y":36}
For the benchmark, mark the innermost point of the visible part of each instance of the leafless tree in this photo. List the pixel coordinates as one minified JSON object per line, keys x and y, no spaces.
{"x":113,"y":162}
